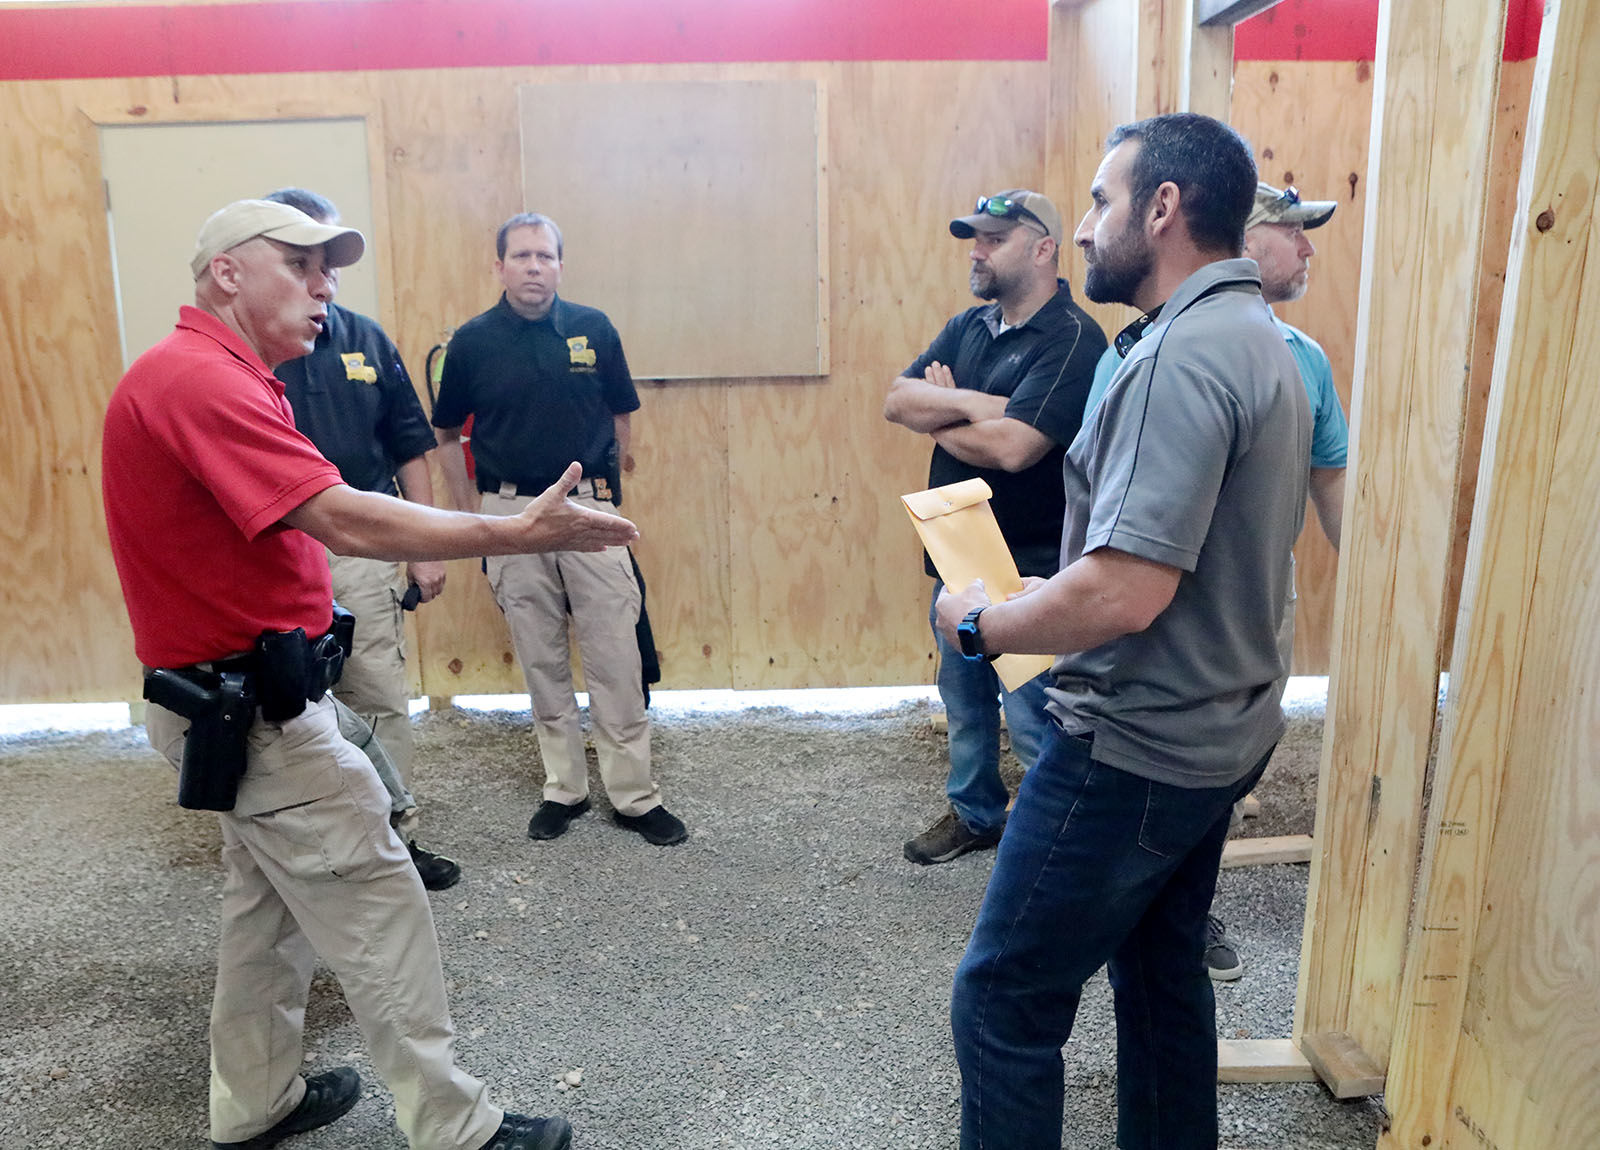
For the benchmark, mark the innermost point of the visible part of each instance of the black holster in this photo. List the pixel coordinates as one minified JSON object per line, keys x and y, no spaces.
{"x":220,"y":706}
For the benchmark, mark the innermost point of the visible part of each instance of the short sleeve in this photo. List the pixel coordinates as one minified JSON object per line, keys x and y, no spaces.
{"x":241,"y":445}
{"x":1156,"y":464}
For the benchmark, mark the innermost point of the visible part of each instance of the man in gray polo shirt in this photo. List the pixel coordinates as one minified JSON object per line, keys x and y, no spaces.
{"x":1185,"y":493}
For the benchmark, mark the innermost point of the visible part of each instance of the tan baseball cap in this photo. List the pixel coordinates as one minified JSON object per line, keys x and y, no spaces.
{"x":1284,"y":206}
{"x":1004,"y":210}
{"x":246,"y":219}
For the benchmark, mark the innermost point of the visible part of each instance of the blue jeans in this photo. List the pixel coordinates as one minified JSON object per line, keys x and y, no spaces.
{"x":1097,"y":867}
{"x":973,"y":696}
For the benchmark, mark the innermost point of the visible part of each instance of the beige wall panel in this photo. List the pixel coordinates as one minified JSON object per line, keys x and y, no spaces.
{"x":825,"y":570}
{"x":660,"y":183}
{"x":1309,"y":123}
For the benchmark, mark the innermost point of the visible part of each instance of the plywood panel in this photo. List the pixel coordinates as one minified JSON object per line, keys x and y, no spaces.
{"x":753,"y":581}
{"x":1309,"y":123}
{"x":1498,"y":1031}
{"x":63,"y":628}
{"x":1425,"y":213}
{"x":1092,"y":84}
{"x":825,"y":570}
{"x":697,"y":203}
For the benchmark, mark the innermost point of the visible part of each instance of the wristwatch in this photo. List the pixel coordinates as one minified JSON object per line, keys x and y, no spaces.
{"x":970,"y":638}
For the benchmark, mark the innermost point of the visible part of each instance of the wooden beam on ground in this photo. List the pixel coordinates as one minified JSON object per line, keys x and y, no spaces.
{"x":1266,"y":849}
{"x":1345,"y":1069}
{"x":1433,"y":117}
{"x":1496,"y":1038}
{"x":1262,"y":1060}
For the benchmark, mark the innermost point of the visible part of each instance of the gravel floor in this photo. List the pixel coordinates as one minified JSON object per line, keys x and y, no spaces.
{"x":781,"y":980}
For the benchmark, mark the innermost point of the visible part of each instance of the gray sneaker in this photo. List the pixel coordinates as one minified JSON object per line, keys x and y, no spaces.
{"x":948,"y":839}
{"x":1222,"y":957}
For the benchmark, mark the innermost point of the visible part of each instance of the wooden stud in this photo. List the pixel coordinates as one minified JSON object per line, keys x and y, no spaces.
{"x":1425,"y":207}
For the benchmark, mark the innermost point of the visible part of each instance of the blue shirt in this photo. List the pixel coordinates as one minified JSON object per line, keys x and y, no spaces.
{"x":1330,"y":434}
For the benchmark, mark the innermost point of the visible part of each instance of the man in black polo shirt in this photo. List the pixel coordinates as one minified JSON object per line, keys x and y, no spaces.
{"x":546,"y":383}
{"x":1000,"y":392}
{"x":353,"y":398}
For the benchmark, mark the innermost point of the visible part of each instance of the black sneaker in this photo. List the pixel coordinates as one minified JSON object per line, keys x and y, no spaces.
{"x":657,"y":825}
{"x":519,"y":1133}
{"x":437,"y":871}
{"x":1222,"y":958}
{"x":551,"y":819}
{"x":328,"y":1097}
{"x":947,"y":839}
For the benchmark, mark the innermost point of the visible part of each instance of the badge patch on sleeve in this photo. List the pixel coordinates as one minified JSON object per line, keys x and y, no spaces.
{"x":355,"y":367}
{"x":579,"y":352}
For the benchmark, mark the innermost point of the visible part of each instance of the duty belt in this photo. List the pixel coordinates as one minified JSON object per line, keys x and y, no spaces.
{"x":597,"y":488}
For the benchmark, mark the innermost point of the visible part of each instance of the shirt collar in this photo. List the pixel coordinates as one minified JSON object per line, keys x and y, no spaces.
{"x":556,"y":316}
{"x":205,"y":324}
{"x":1042,"y":319}
{"x":1234,"y":274}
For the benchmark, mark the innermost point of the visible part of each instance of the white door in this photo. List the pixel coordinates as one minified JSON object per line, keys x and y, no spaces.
{"x":163,"y":180}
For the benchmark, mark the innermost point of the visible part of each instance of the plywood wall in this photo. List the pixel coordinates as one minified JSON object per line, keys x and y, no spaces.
{"x":774,"y":547}
{"x":1309,"y":123}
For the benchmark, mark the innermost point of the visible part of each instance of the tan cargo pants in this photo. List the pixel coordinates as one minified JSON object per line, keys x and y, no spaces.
{"x":312,"y":867}
{"x":598,"y":590}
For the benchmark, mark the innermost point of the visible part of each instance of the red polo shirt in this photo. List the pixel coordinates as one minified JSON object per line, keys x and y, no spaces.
{"x":200,"y":463}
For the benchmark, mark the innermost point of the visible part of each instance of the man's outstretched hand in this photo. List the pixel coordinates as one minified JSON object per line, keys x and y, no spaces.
{"x":552,"y":522}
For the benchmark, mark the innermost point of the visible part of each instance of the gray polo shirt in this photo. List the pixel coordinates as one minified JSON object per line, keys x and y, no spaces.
{"x":1197,"y":458}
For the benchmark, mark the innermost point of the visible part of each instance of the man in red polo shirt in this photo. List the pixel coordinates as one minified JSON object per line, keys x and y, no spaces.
{"x":218,"y":512}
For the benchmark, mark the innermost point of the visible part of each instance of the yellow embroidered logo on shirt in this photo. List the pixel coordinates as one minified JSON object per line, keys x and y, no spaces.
{"x":355,"y":367}
{"x":579,"y":351}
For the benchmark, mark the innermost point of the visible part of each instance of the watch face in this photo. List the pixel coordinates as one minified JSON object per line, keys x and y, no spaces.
{"x":967,"y":633}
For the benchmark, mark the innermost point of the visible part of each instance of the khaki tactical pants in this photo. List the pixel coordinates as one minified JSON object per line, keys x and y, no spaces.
{"x":312,"y":867}
{"x":599,"y":591}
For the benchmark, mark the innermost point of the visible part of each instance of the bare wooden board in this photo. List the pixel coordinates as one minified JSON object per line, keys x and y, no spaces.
{"x":1262,"y":1060}
{"x":1267,"y":849}
{"x":1346,"y":1069}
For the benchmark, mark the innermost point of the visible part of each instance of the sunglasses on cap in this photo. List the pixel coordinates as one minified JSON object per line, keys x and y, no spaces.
{"x":1289,"y":195}
{"x":1006,"y":208}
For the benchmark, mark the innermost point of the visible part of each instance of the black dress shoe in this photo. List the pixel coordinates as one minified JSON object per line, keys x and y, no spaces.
{"x":657,"y":825}
{"x":328,"y":1097}
{"x":551,"y":819}
{"x":519,"y":1133}
{"x":437,"y":871}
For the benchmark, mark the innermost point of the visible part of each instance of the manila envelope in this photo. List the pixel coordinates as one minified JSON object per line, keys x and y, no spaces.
{"x":958,"y":528}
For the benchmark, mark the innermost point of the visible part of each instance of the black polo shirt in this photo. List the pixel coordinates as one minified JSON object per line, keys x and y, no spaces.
{"x":1045,"y":367}
{"x":541,"y":392}
{"x":353,"y":398}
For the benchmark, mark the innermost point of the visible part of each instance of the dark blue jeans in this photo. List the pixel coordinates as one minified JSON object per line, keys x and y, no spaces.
{"x":973,"y":697}
{"x":1097,"y":867}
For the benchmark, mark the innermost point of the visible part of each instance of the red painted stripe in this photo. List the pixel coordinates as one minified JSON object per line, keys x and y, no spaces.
{"x":1310,"y":30}
{"x":1524,"y":18}
{"x":362,"y":35}
{"x":1348,"y":30}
